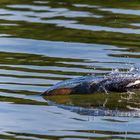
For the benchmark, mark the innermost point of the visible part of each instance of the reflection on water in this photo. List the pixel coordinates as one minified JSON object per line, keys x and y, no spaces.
{"x":115,"y":104}
{"x":115,"y":101}
{"x":44,"y":42}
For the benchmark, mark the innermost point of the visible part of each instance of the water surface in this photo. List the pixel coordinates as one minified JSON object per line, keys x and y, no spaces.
{"x":44,"y":42}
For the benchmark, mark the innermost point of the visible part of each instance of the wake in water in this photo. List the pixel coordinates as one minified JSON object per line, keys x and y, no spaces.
{"x":115,"y":81}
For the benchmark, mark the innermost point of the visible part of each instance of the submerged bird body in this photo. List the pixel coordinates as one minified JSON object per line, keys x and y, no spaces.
{"x":114,"y":82}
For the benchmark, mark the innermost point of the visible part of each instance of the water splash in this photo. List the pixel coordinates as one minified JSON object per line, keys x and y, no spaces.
{"x":133,"y":72}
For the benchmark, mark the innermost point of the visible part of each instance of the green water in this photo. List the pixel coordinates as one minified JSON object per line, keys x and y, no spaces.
{"x":44,"y":42}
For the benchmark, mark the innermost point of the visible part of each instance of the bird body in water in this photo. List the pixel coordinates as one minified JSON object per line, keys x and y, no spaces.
{"x":113,"y":82}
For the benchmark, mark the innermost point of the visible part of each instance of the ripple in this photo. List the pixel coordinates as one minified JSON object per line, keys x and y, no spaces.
{"x":38,"y":8}
{"x":51,"y":12}
{"x":122,"y":11}
{"x":99,"y":28}
{"x":86,"y":5}
{"x":6,"y":24}
{"x":41,"y":2}
{"x":136,"y":24}
{"x":4,"y":35}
